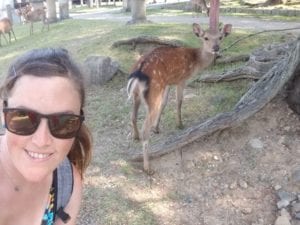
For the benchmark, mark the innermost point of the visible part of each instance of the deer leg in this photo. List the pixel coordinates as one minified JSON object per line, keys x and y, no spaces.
{"x":145,"y":138}
{"x":179,"y":96}
{"x":153,"y":104}
{"x":3,"y":34}
{"x":136,"y":105}
{"x":31,"y":28}
{"x":45,"y":23}
{"x":9,"y":37}
{"x":14,"y":34}
{"x":160,"y":110}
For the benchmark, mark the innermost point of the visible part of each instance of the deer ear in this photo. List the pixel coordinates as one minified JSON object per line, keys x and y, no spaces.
{"x":197,"y":30}
{"x":227,"y":29}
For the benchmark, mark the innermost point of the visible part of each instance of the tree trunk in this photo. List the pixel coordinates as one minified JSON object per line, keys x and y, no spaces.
{"x":138,"y":11}
{"x":214,"y":15}
{"x":51,"y":9}
{"x":126,"y":5}
{"x":63,"y":9}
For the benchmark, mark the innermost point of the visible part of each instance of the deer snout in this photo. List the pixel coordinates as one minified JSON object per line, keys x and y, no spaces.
{"x":216,"y":48}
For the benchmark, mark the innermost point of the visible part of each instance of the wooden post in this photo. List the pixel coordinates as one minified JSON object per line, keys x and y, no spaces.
{"x":214,"y":15}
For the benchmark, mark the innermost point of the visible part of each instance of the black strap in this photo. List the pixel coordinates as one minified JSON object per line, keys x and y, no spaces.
{"x":65,"y":217}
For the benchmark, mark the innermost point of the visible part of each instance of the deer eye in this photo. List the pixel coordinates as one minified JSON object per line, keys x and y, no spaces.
{"x":206,"y":38}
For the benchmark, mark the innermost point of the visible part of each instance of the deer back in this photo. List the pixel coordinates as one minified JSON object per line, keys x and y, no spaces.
{"x":171,"y":65}
{"x":35,"y":15}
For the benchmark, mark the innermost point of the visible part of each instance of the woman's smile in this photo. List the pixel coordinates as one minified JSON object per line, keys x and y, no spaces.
{"x":38,"y":156}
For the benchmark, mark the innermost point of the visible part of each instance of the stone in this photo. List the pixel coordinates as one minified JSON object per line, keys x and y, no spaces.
{"x":282,"y":220}
{"x":99,"y":69}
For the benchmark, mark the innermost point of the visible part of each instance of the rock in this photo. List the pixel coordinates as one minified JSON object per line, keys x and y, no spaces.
{"x":282,"y":204}
{"x":233,"y":185}
{"x":284,"y":195}
{"x":284,"y":212}
{"x":282,"y":220}
{"x":296,"y":176}
{"x":243,"y":184}
{"x":99,"y":69}
{"x":247,"y":211}
{"x":256,"y":143}
{"x":296,"y":207}
{"x":277,"y":187}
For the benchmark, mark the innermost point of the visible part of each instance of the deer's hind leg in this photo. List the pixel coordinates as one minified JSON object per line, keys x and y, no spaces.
{"x":160,"y":110}
{"x":13,"y":34}
{"x":31,"y":28}
{"x":179,"y":96}
{"x":136,"y":105}
{"x":154,"y":104}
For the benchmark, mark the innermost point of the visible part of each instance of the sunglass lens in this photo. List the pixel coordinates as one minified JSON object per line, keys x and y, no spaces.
{"x":21,"y":122}
{"x":64,"y":126}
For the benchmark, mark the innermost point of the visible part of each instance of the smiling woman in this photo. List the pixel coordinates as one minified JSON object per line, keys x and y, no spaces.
{"x":44,"y":133}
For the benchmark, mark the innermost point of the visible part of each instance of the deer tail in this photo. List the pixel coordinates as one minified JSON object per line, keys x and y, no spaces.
{"x":137,"y":81}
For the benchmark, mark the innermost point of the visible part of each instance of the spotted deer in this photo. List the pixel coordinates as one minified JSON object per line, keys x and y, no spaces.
{"x":154,"y":72}
{"x":34,"y":15}
{"x":6,"y":27}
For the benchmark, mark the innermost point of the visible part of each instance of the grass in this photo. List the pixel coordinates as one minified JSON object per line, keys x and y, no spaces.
{"x":121,"y":191}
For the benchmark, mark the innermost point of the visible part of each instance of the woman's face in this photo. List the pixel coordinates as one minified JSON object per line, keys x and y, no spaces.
{"x":36,"y":156}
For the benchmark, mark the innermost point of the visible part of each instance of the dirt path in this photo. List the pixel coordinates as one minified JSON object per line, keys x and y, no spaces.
{"x":245,"y":23}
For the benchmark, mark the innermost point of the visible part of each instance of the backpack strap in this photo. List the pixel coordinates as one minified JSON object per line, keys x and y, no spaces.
{"x":64,"y":188}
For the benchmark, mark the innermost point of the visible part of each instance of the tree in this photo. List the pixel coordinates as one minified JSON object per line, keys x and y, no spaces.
{"x":51,"y":9}
{"x":126,"y":5}
{"x":138,"y":11}
{"x":63,"y":9}
{"x":214,"y":14}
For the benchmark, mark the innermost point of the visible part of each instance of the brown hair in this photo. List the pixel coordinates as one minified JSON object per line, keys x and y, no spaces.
{"x":47,"y":62}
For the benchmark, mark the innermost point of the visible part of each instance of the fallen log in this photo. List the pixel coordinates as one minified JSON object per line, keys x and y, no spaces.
{"x":147,"y":40}
{"x":259,"y":62}
{"x":264,"y":90}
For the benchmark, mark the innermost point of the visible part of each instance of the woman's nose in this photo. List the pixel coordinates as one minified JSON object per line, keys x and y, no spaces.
{"x":42,"y":136}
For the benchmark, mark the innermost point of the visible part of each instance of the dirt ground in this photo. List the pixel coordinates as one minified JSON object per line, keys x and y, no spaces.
{"x":228,"y":178}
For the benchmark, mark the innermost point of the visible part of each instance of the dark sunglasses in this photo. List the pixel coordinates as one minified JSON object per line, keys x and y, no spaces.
{"x":25,"y":122}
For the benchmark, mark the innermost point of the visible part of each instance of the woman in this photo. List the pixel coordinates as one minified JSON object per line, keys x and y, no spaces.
{"x":43,"y":97}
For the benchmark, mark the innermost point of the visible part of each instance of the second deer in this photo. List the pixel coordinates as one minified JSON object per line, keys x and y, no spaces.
{"x":31,"y":16}
{"x":164,"y":66}
{"x":6,"y":27}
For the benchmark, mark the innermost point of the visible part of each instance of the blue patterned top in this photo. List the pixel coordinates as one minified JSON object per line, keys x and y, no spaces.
{"x":49,"y":215}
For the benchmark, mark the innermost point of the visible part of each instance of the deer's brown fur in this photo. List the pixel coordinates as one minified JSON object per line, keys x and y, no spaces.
{"x":156,"y":71}
{"x":6,"y":27}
